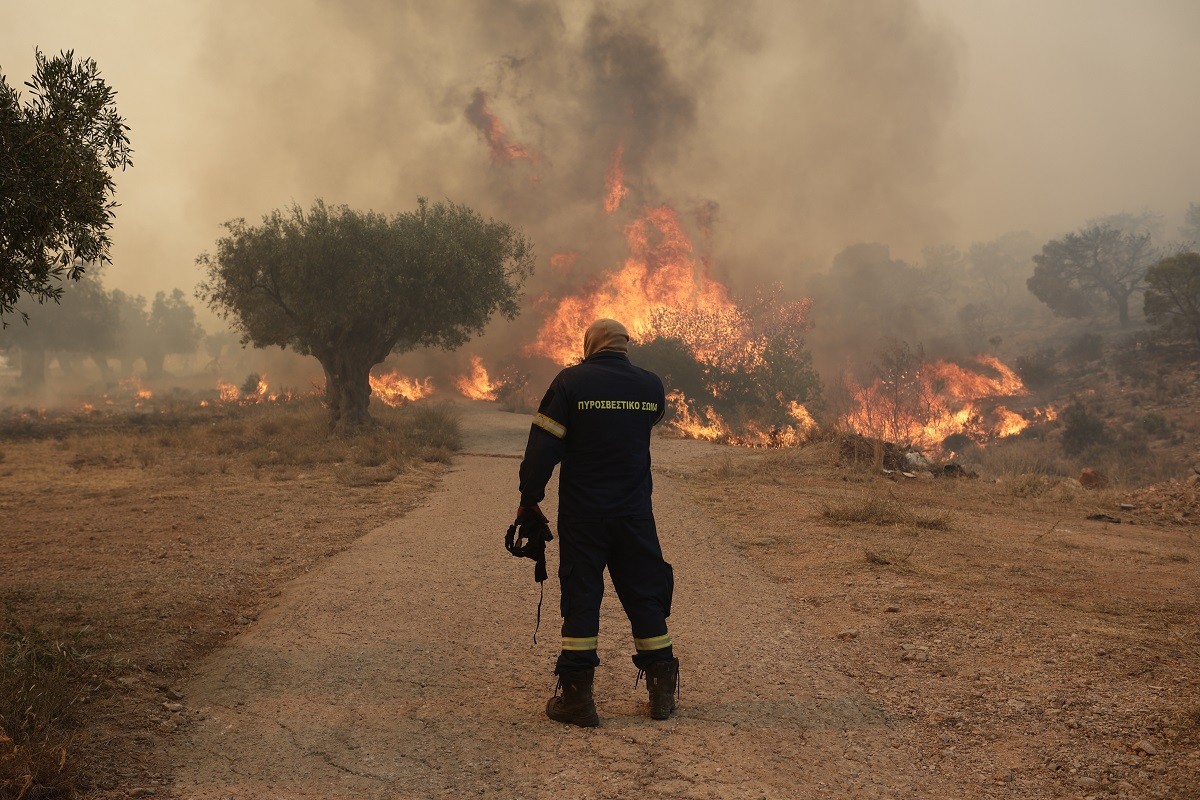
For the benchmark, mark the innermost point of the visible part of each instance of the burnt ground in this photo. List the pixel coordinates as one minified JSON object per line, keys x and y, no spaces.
{"x":994,"y":642}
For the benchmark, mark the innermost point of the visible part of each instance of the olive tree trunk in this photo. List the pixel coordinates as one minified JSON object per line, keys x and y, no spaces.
{"x":33,"y":367}
{"x":348,"y":392}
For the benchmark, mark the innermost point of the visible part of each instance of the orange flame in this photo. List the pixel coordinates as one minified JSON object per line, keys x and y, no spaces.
{"x":943,"y":398}
{"x":658,"y":281}
{"x":229,"y":393}
{"x":615,"y":189}
{"x":477,"y":385}
{"x":135,"y":387}
{"x":503,"y":151}
{"x":706,"y":424}
{"x":394,"y":389}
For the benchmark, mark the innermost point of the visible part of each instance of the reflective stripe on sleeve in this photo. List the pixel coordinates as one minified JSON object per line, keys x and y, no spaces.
{"x":550,"y":426}
{"x":653,"y":643}
{"x":579,"y":643}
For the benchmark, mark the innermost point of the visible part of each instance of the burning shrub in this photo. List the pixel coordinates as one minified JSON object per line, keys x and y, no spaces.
{"x":1081,"y":430}
{"x":250,"y":385}
{"x":512,"y":391}
{"x":735,"y":375}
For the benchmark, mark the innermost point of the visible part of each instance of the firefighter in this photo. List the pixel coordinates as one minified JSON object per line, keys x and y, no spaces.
{"x":596,"y":420}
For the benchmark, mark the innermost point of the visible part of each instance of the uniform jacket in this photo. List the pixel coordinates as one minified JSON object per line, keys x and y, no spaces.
{"x":596,"y":420}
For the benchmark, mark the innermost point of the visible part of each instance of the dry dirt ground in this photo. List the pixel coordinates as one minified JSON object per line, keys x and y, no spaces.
{"x":1023,"y":652}
{"x":1015,"y":649}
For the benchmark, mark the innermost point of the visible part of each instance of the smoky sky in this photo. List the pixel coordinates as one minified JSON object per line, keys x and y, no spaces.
{"x":809,"y":126}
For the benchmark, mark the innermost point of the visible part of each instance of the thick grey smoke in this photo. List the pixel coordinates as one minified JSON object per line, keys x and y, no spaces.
{"x":811,"y":125}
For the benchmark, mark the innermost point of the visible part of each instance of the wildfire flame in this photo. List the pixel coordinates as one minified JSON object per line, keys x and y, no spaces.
{"x":477,"y":385}
{"x":658,"y":280}
{"x":229,"y":393}
{"x":706,"y":424}
{"x":394,"y":389}
{"x":135,"y":387}
{"x":615,"y":189}
{"x":503,"y":150}
{"x":232,"y":394}
{"x":942,"y":398}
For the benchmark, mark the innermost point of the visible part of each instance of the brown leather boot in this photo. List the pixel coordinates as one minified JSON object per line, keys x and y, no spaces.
{"x":572,"y":702}
{"x":662,"y":681}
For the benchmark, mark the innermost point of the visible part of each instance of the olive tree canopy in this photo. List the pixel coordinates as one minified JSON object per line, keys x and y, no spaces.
{"x":350,"y":287}
{"x":58,"y":151}
{"x":1172,"y":299}
{"x":1100,"y":266}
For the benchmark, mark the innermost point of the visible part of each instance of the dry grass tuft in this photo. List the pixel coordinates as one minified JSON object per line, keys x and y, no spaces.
{"x":42,"y":682}
{"x":273,"y":439}
{"x":883,"y":511}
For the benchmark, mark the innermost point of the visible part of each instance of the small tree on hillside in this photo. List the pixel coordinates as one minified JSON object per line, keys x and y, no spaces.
{"x":1172,"y":299}
{"x":1081,"y":272}
{"x":57,"y":154}
{"x":349,"y":287}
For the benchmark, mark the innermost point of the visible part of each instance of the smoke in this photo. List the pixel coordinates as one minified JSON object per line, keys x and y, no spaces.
{"x":810,"y":125}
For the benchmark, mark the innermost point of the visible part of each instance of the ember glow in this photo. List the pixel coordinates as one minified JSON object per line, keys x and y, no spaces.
{"x":135,"y":387}
{"x":394,"y":389}
{"x":477,"y":385}
{"x":615,"y":189}
{"x":942,"y":398}
{"x":503,"y":150}
{"x":232,"y":394}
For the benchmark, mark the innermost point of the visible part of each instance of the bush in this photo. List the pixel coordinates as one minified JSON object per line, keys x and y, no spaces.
{"x":1085,"y":347}
{"x":437,"y":426}
{"x":1155,"y":425}
{"x":1081,"y":430}
{"x":1038,"y":369}
{"x":883,"y":511}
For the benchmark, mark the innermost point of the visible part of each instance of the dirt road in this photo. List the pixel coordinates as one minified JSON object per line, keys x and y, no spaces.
{"x":403,"y":668}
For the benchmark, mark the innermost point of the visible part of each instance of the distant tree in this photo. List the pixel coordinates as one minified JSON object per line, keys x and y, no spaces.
{"x":1150,"y":222}
{"x":172,"y":329}
{"x":944,"y":268}
{"x":1191,"y":225}
{"x":82,"y":321}
{"x":1081,"y":272}
{"x":1001,"y":265}
{"x":57,"y":155}
{"x":349,"y":287}
{"x":1081,"y":430}
{"x":1172,"y":299}
{"x":133,"y":328}
{"x":866,"y":285}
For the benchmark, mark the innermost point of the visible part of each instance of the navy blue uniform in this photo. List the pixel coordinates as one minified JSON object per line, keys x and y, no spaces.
{"x":596,"y":420}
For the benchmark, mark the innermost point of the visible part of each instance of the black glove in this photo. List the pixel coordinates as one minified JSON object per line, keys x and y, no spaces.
{"x":527,"y":537}
{"x":533,"y":513}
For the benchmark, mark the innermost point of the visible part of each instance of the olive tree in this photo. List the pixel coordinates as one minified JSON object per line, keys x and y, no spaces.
{"x":58,"y":151}
{"x":1172,"y":299}
{"x":1100,"y":265}
{"x":350,"y":287}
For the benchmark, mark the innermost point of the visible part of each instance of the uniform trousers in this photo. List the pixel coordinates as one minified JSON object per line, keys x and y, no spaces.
{"x":645,"y":583}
